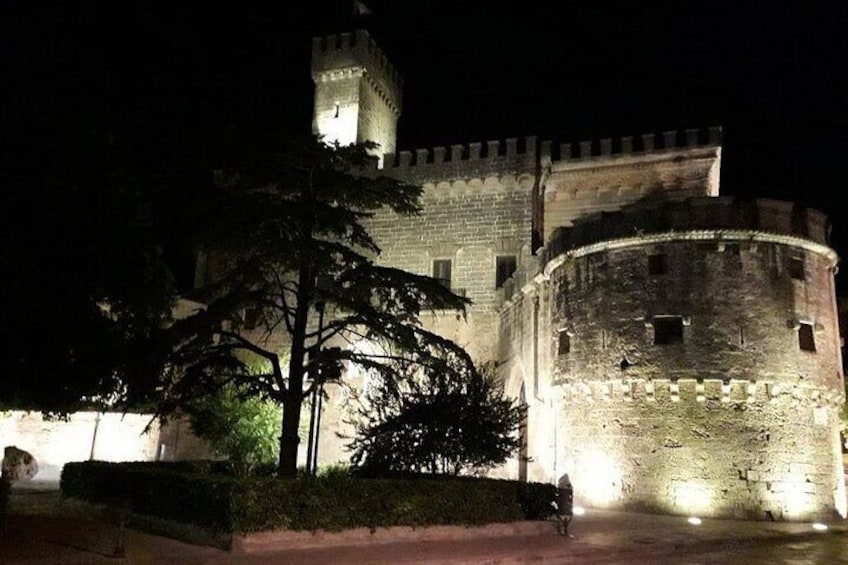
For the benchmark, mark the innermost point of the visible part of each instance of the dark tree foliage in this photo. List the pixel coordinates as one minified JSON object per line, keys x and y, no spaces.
{"x":290,"y":225}
{"x":83,"y":280}
{"x":425,"y":423}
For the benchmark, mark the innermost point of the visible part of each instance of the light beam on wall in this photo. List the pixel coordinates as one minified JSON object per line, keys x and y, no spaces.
{"x":693,"y":498}
{"x":598,"y":478}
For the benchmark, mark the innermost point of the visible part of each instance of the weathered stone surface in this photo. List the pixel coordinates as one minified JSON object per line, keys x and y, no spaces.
{"x":735,"y":417}
{"x":712,"y":386}
{"x":18,"y":465}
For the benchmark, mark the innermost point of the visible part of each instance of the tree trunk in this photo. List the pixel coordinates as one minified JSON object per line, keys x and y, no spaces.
{"x":293,"y":400}
{"x":290,"y":437}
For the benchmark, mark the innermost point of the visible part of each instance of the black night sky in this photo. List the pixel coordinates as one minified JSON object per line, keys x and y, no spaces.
{"x":179,"y":84}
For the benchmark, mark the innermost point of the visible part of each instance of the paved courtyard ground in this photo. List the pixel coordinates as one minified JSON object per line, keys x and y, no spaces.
{"x":42,"y":529}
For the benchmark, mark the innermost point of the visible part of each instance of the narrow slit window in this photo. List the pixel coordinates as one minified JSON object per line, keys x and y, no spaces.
{"x":442,"y":271}
{"x":657,"y":264}
{"x":252,"y":317}
{"x":564,"y":345}
{"x":504,"y":268}
{"x":336,"y":111}
{"x":668,"y":330}
{"x":796,"y":269}
{"x":806,"y":337}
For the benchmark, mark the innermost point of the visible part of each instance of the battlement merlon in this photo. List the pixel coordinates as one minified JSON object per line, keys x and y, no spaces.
{"x":723,"y":219}
{"x":590,"y":153}
{"x":522,"y":155}
{"x":464,"y":160}
{"x":340,"y":55}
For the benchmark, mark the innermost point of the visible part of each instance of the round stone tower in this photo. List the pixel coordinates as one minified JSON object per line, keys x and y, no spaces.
{"x":697,"y":350}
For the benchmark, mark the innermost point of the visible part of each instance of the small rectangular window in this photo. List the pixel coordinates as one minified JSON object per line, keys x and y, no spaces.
{"x":504,"y":268}
{"x":668,"y":330}
{"x":442,"y":271}
{"x":796,"y":269}
{"x":657,"y":264}
{"x":806,"y":337}
{"x":564,"y":345}
{"x":252,"y":317}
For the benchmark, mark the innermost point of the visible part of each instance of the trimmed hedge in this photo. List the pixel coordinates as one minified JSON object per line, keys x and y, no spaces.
{"x":5,"y":490}
{"x":172,"y":491}
{"x":332,"y":503}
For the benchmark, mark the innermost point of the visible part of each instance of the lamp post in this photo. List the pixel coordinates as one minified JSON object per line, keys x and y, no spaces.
{"x":316,"y":401}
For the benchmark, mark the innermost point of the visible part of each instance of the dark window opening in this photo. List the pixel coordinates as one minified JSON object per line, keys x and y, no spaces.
{"x":442,"y":271}
{"x":657,"y":264}
{"x":504,"y":268}
{"x":564,"y":343}
{"x":668,"y":330}
{"x":796,"y":269}
{"x":336,"y":113}
{"x":252,"y":317}
{"x":732,"y":248}
{"x":806,"y":337}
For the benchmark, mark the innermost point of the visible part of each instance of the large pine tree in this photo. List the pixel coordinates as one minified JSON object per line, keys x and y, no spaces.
{"x":288,"y":232}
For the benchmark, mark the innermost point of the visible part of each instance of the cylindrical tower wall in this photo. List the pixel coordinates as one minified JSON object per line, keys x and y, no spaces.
{"x":700,"y":374}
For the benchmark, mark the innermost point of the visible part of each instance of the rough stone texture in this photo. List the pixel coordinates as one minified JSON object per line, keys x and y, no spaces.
{"x":18,"y":465}
{"x":736,"y":420}
{"x":470,"y":223}
{"x":602,"y":184}
{"x":357,"y":91}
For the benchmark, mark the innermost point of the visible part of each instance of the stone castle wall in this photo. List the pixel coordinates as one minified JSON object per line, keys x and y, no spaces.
{"x":358,"y":92}
{"x":703,"y":448}
{"x":581,"y":183}
{"x":739,"y":416}
{"x":470,"y":222}
{"x":92,"y":435}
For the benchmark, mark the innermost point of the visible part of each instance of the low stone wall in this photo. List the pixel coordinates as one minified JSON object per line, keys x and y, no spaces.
{"x":286,"y":540}
{"x":95,"y":435}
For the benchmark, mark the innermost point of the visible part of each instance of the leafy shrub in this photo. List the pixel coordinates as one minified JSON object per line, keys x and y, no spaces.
{"x":339,"y":501}
{"x":245,"y":430}
{"x":334,"y":501}
{"x":336,"y":470}
{"x":424,"y":422}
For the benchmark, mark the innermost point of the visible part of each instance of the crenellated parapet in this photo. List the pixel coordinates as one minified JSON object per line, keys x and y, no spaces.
{"x":711,"y":393}
{"x":344,"y":55}
{"x":734,"y":217}
{"x":625,"y":146}
{"x":470,"y":160}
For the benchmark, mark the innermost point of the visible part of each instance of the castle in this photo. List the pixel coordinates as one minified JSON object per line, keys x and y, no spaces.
{"x":677,"y":351}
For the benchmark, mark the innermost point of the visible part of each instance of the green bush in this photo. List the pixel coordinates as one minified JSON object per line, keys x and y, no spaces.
{"x":336,"y":501}
{"x":244,"y":430}
{"x":170,"y":490}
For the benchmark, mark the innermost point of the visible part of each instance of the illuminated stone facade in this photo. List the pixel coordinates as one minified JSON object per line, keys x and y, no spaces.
{"x":94,"y":435}
{"x":677,"y":351}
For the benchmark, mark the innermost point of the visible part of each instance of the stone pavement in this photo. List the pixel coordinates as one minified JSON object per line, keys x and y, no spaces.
{"x":41,"y":530}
